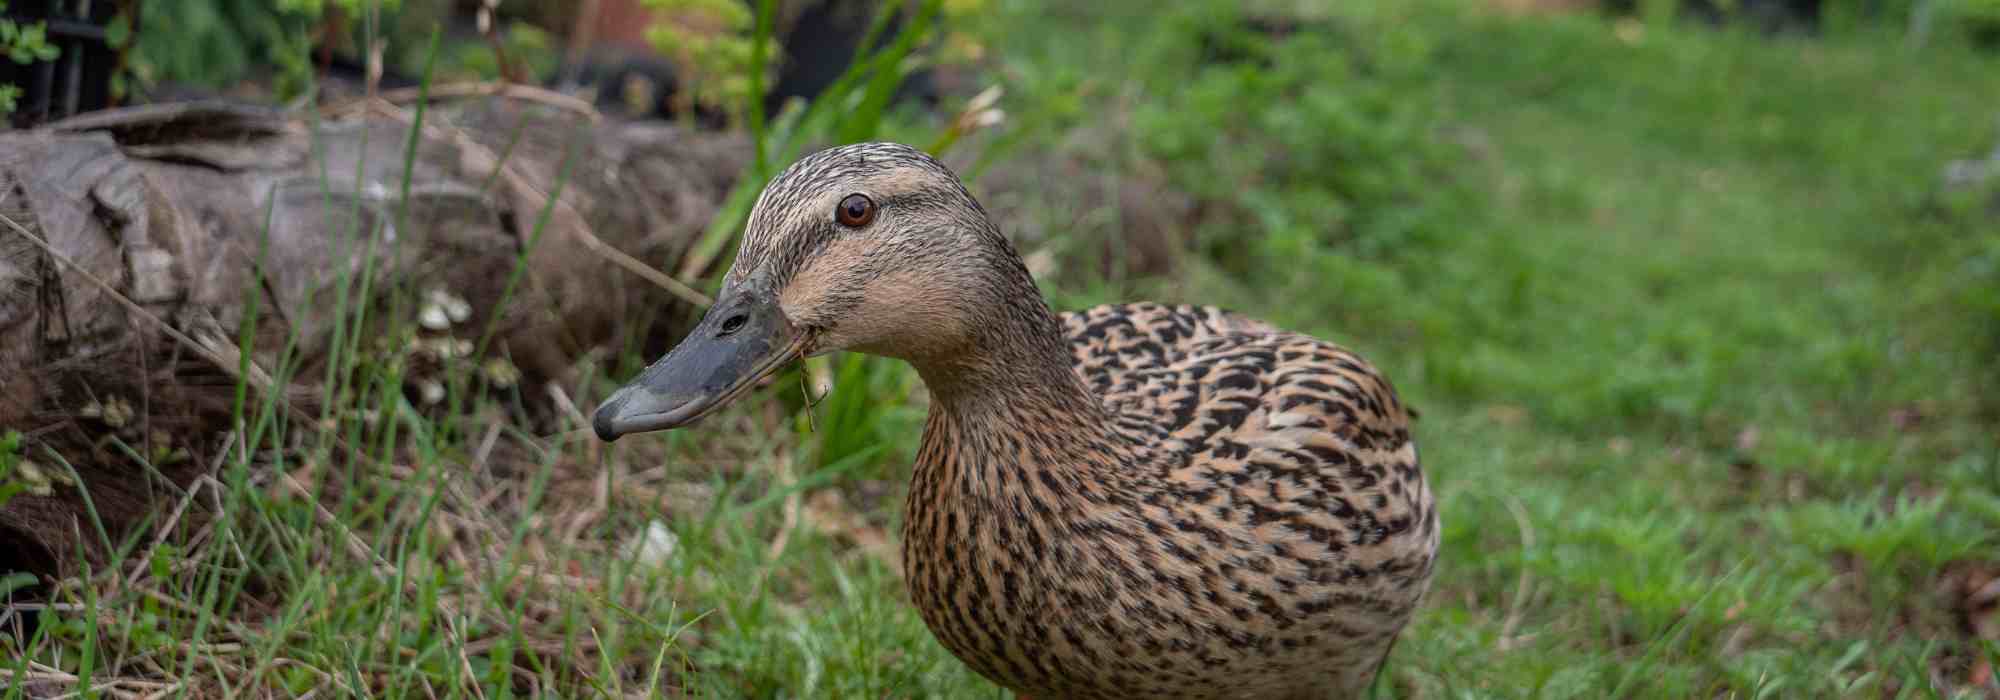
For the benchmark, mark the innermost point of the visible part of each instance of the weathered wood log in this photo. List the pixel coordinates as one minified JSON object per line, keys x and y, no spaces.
{"x":130,"y":265}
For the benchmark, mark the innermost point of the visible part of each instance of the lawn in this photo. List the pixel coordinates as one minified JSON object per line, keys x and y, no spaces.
{"x":1704,"y":350}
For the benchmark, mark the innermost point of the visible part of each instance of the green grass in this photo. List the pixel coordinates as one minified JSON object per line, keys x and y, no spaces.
{"x":1703,"y":354}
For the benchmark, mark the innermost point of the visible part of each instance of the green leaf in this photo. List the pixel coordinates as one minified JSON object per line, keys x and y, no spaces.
{"x":16,"y":581}
{"x":118,"y":32}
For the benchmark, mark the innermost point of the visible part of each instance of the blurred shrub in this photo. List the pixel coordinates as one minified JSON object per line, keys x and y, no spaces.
{"x":315,"y":8}
{"x":532,"y":50}
{"x":712,"y":42}
{"x":1982,"y":19}
{"x":812,"y":43}
{"x":217,"y":43}
{"x":213,"y":43}
{"x":1307,"y":134}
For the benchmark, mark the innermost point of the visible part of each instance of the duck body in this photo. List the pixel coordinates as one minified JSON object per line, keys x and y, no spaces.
{"x":1244,"y":517}
{"x":1130,"y":501}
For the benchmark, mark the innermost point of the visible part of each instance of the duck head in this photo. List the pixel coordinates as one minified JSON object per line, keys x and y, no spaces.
{"x":873,"y":247}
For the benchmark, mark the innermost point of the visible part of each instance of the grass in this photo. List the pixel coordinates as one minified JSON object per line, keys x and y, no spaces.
{"x":1704,"y":357}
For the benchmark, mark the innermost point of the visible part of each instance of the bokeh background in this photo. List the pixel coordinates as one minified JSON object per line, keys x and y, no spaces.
{"x":1699,"y":301}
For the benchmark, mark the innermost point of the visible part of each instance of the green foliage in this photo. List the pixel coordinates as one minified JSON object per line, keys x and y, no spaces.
{"x":530,"y":47}
{"x":716,"y":42}
{"x":22,"y":44}
{"x":12,"y":483}
{"x":869,"y":411}
{"x":217,"y":42}
{"x":711,"y":41}
{"x":1984,"y":10}
{"x":1980,"y":18}
{"x":317,"y":8}
{"x":1314,"y":136}
{"x":26,"y":43}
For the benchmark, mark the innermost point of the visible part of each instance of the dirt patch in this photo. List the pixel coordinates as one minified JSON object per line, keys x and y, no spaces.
{"x":1970,"y":591}
{"x":1958,"y":610}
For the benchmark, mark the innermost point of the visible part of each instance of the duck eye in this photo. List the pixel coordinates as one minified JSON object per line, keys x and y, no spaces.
{"x":729,"y":325}
{"x":855,"y":211}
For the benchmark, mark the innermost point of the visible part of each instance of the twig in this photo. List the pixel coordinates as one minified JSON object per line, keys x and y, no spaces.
{"x":355,"y":546}
{"x":215,"y":491}
{"x":173,"y":520}
{"x":486,"y":444}
{"x":508,"y":71}
{"x":568,"y":407}
{"x":573,"y":533}
{"x":1527,"y":581}
{"x":175,"y":687}
{"x":581,"y":35}
{"x":527,"y":93}
{"x":784,"y":537}
{"x":45,"y":674}
{"x":633,"y":265}
{"x":464,"y":661}
{"x":37,"y":676}
{"x":110,"y":687}
{"x":234,"y":628}
{"x":324,"y":677}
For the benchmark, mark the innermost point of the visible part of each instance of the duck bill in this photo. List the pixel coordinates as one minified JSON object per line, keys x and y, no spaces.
{"x":743,"y":338}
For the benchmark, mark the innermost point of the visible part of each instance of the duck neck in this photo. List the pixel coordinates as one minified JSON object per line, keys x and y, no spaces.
{"x":1016,"y":367}
{"x":1010,"y":423}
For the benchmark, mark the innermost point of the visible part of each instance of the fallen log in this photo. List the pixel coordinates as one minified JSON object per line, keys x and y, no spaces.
{"x":142,"y":249}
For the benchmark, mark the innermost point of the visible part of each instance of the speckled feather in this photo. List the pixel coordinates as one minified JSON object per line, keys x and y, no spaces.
{"x":1254,"y":524}
{"x":1129,"y":501}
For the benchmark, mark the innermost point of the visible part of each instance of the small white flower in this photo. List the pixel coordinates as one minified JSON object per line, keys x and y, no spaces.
{"x":430,"y":391}
{"x":433,"y":317}
{"x":454,"y":305}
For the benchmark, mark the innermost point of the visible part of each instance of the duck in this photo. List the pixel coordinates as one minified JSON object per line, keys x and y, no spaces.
{"x":1135,"y":500}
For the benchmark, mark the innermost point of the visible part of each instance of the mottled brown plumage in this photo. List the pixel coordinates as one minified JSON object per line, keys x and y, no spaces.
{"x":1129,"y":501}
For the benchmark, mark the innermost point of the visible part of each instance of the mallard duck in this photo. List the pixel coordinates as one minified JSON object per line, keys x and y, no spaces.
{"x":1135,"y":500}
